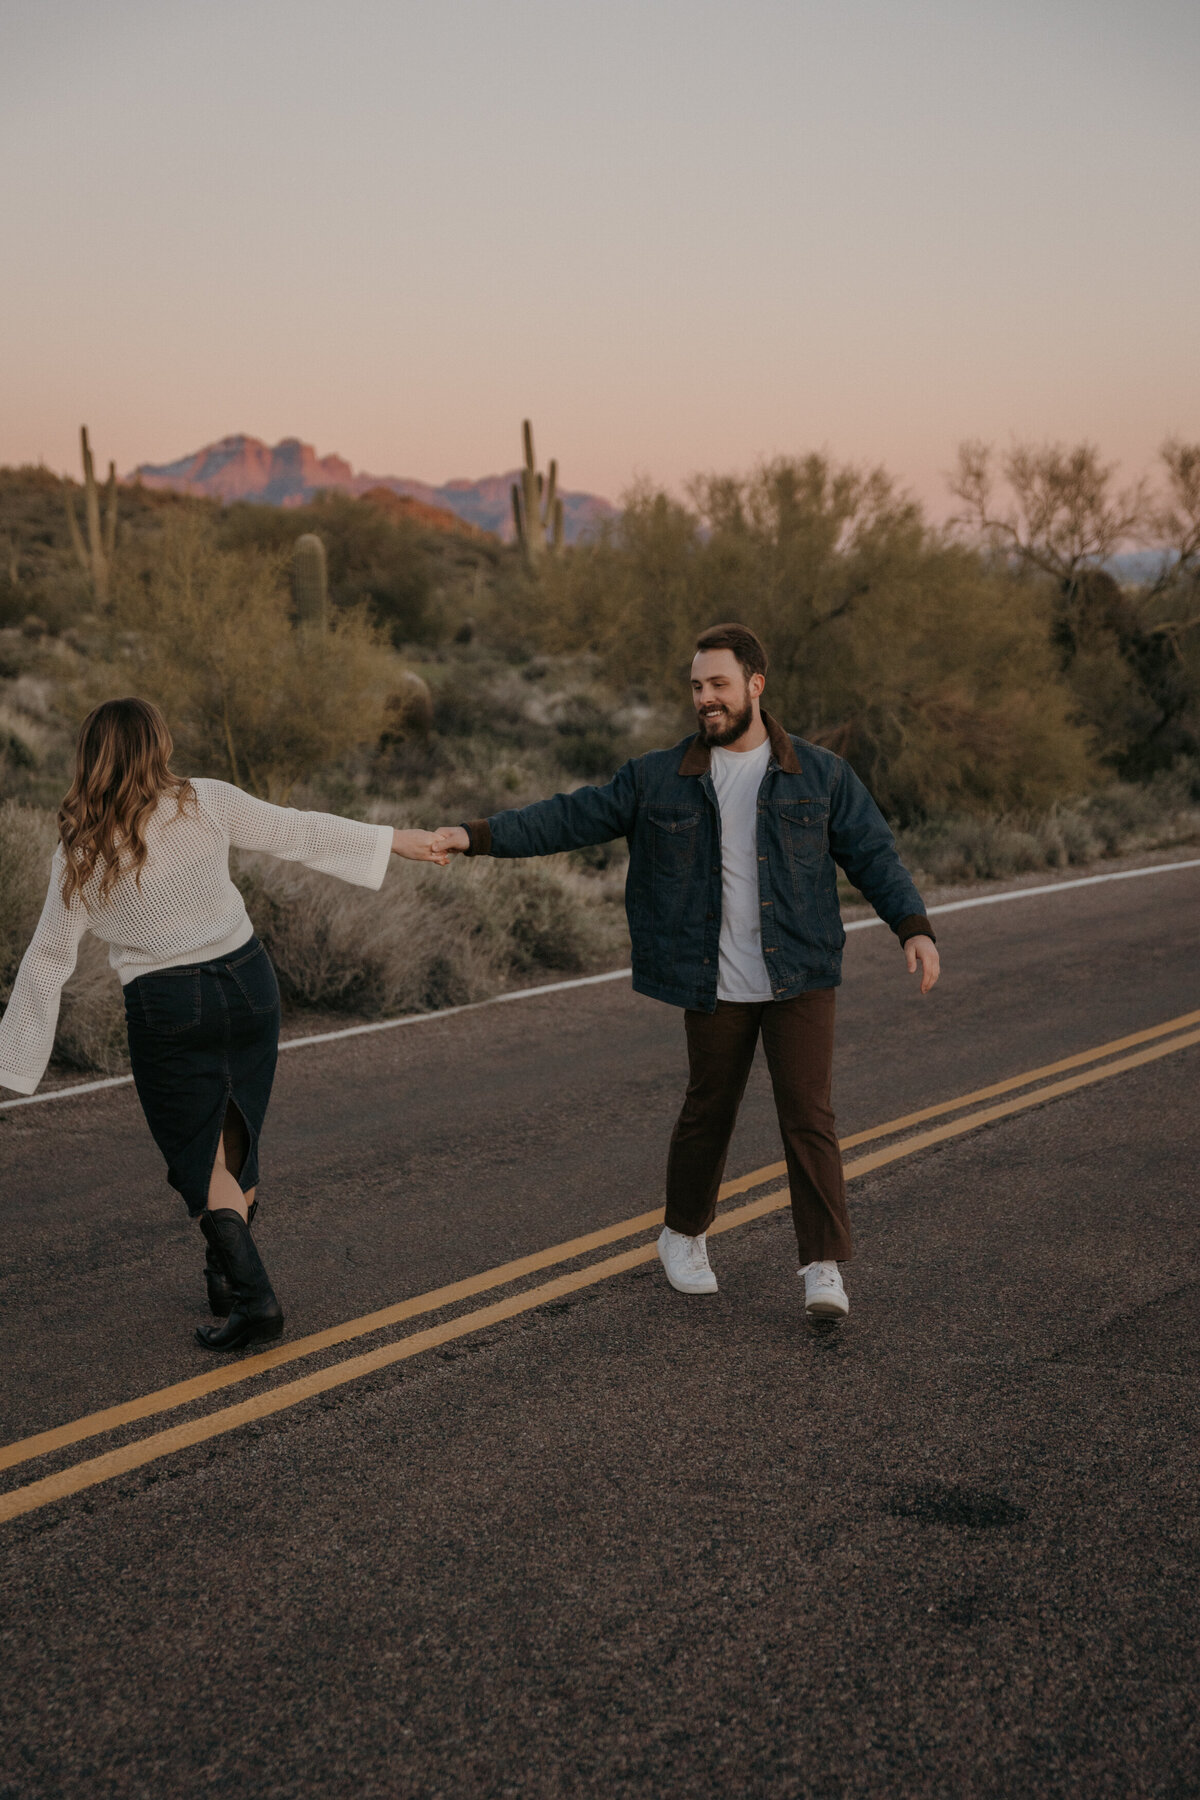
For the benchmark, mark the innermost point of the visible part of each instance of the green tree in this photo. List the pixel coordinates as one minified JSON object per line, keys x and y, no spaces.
{"x":1128,"y":650}
{"x":208,"y":633}
{"x":900,"y":648}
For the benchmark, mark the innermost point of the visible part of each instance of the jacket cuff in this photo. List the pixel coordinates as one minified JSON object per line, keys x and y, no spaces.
{"x":916,"y":925}
{"x":480,"y":834}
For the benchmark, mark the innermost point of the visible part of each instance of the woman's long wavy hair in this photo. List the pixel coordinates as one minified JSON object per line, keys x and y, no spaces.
{"x":122,"y":771}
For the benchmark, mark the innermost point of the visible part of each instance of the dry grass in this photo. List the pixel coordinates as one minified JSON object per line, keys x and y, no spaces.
{"x":1121,"y":820}
{"x":430,"y":938}
{"x":91,"y":1028}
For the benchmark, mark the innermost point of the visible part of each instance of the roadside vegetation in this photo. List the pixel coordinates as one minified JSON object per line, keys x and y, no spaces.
{"x":1020,"y":689}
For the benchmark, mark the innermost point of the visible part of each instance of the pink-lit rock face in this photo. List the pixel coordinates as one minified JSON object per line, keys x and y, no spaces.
{"x":291,"y":473}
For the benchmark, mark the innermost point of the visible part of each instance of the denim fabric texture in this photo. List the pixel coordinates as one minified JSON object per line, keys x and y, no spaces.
{"x":203,"y":1037}
{"x":814,"y":817}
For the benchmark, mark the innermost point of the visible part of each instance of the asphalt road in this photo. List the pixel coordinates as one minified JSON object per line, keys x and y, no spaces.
{"x":627,"y":1543}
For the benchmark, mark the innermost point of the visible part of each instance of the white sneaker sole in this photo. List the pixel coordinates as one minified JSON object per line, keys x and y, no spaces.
{"x":708,"y":1287}
{"x":829,"y":1306}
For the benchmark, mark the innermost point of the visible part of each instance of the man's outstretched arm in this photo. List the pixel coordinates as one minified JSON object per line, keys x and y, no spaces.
{"x":591,"y":815}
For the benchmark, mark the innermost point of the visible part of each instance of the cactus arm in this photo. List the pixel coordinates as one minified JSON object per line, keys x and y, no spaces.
{"x":551,"y":491}
{"x":518,"y":520}
{"x":110,"y":511}
{"x":91,"y":502}
{"x":557,"y":528}
{"x":76,"y":535}
{"x":533,"y":511}
{"x":527,"y":438}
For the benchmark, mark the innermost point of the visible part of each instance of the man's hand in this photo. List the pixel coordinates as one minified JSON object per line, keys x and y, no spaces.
{"x":450,"y":840}
{"x":923,"y":950}
{"x":417,"y":846}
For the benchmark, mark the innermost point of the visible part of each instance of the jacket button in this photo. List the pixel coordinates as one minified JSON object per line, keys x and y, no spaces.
{"x":710,"y":915}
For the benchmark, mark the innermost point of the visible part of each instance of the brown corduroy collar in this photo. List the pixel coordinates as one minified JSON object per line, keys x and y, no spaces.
{"x":697,"y":757}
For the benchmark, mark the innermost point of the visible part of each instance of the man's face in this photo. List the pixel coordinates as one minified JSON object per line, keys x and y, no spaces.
{"x":722,"y":695}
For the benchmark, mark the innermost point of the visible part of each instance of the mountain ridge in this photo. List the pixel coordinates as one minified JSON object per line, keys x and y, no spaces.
{"x":290,"y":473}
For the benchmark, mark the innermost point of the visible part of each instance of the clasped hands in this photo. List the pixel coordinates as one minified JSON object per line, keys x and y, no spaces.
{"x":431,"y":846}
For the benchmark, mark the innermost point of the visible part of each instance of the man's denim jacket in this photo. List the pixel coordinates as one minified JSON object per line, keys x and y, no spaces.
{"x":814,"y":816}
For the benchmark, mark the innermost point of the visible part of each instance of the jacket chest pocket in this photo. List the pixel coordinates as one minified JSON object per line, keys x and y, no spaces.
{"x":804,"y":831}
{"x":673,"y":838}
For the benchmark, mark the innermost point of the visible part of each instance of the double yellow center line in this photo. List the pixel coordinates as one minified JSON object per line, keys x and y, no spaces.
{"x":1032,"y":1088}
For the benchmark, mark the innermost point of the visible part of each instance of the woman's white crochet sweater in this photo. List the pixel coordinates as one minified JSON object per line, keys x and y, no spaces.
{"x":184,"y":910}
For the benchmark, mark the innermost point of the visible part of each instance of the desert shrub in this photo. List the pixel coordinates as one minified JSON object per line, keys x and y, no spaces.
{"x":91,"y":1021}
{"x":91,"y":1027}
{"x":930,"y":669}
{"x":207,"y":632}
{"x":1118,"y":820}
{"x":428,"y":941}
{"x":1128,"y":652}
{"x":27,"y":840}
{"x":588,"y":737}
{"x":375,"y":562}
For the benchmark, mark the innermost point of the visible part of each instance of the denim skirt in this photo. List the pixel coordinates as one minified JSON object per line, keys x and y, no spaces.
{"x":203,"y":1038}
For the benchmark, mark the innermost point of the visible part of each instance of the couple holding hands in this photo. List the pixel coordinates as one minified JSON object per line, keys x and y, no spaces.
{"x":735,"y":837}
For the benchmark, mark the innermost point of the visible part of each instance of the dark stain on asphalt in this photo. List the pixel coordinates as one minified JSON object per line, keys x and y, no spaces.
{"x":933,"y":1503}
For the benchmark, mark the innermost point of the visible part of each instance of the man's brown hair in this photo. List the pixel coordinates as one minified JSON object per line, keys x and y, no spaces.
{"x":744,"y":643}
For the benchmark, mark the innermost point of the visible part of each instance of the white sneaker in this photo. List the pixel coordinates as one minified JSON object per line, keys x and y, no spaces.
{"x":824,"y":1295}
{"x":686,"y":1261}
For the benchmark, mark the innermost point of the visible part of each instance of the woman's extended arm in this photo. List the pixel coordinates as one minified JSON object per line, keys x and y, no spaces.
{"x":31,"y":1016}
{"x":346,"y":848}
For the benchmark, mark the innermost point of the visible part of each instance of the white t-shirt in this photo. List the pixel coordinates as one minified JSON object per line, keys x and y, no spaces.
{"x":737,"y":776}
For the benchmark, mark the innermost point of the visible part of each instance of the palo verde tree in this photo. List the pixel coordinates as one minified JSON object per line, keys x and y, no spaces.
{"x":208,"y":632}
{"x":889,"y":642}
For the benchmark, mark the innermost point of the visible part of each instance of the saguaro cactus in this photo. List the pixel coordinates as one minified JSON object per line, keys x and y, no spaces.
{"x":95,"y":558}
{"x":310,"y":582}
{"x":537,"y":507}
{"x":408,"y":713}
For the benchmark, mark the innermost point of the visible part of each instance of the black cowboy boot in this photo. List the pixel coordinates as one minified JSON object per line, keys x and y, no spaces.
{"x":216,"y":1276}
{"x":256,"y":1316}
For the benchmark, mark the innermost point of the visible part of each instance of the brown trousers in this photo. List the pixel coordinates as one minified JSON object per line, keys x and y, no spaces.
{"x":797,"y":1037}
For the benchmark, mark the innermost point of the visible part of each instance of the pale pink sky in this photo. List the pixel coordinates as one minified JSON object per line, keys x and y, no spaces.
{"x":679,"y":234}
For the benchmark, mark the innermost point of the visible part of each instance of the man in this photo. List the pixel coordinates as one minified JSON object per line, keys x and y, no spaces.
{"x":735,"y":837}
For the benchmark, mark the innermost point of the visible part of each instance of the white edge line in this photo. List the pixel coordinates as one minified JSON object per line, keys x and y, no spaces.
{"x":559,"y":987}
{"x":1050,"y":887}
{"x":348,"y":1031}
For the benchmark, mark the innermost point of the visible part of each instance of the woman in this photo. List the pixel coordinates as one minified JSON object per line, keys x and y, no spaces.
{"x":143,"y":863}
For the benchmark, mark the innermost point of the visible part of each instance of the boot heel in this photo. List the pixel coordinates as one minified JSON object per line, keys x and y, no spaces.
{"x":265,"y":1331}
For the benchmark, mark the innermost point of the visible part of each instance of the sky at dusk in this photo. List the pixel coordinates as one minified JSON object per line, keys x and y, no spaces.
{"x":679,"y":235}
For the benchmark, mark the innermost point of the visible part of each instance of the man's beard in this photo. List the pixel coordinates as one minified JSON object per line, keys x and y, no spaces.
{"x":717,"y":734}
